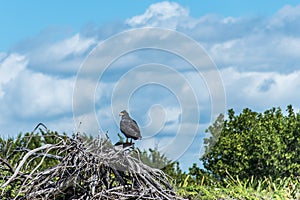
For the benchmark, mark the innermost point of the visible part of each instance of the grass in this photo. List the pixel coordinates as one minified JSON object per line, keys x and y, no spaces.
{"x":234,"y":188}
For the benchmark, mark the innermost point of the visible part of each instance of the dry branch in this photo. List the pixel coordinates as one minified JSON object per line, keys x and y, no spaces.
{"x":90,"y":170}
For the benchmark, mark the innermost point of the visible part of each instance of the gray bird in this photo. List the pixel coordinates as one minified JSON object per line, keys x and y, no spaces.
{"x":129,"y":127}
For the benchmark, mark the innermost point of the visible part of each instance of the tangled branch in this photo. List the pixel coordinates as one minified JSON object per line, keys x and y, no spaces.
{"x":88,"y":170}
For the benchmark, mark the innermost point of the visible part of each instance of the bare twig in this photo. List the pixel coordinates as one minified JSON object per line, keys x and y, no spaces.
{"x":5,"y":162}
{"x":90,"y":170}
{"x":23,"y":161}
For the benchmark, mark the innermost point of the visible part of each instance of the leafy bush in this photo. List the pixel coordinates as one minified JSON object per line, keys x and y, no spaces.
{"x":255,"y":144}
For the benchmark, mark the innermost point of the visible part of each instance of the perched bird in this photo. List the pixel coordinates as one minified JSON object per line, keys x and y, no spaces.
{"x":129,"y":127}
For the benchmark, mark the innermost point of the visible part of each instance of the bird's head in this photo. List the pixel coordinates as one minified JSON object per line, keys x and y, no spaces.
{"x":124,"y":112}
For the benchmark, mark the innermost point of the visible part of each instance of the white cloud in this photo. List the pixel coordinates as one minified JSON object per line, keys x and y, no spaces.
{"x":62,"y":125}
{"x":2,"y":56}
{"x":289,"y":46}
{"x":10,"y":67}
{"x":56,"y":57}
{"x":75,"y":45}
{"x":37,"y":95}
{"x":261,"y":90}
{"x":258,"y":51}
{"x":29,"y":97}
{"x":250,"y":43}
{"x":164,"y":14}
{"x":285,"y":16}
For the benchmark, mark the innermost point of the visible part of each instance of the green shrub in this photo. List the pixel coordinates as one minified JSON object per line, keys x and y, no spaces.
{"x":255,"y":144}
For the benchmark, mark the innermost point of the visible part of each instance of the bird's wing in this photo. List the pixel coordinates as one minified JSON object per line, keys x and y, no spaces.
{"x":124,"y":124}
{"x":135,"y":122}
{"x":136,"y":129}
{"x":129,"y":128}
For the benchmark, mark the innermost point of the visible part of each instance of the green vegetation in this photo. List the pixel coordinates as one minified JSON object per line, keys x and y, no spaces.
{"x":234,"y":188}
{"x":256,"y":144}
{"x":250,"y":155}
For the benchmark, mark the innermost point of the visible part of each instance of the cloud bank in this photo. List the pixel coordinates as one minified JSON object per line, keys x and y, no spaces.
{"x":257,"y":58}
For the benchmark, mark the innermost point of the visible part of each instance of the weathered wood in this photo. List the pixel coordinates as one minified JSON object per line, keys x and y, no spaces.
{"x":91,"y":170}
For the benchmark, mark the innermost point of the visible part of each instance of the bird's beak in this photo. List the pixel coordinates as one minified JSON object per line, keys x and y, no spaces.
{"x":120,"y":114}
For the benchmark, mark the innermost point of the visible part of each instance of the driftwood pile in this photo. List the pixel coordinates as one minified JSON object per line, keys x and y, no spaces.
{"x":89,"y":170}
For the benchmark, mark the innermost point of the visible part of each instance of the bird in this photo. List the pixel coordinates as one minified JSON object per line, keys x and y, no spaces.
{"x":129,"y":127}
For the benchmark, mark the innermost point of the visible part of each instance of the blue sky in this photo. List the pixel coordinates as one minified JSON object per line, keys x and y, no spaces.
{"x":23,"y":19}
{"x":254,"y":45}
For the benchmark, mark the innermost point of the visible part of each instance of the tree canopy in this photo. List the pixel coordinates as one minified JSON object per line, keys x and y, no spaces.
{"x":255,"y":144}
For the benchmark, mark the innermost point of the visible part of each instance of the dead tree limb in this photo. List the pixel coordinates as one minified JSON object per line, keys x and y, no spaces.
{"x":90,"y":170}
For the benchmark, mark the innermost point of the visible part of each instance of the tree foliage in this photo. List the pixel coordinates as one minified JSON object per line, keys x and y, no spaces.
{"x":155,"y":159}
{"x":214,"y":131}
{"x":255,"y":144}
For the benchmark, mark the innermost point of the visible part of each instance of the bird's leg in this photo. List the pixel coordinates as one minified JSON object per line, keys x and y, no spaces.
{"x":126,"y":140}
{"x":130,"y":141}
